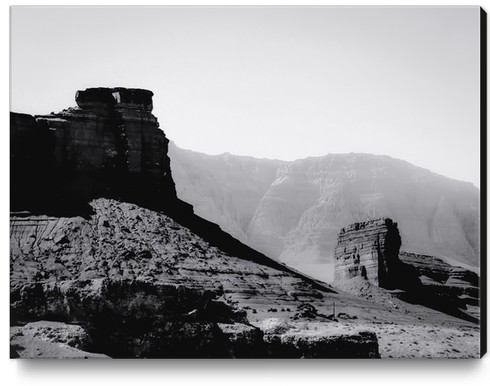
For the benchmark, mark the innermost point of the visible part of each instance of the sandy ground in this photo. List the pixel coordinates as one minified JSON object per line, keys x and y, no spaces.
{"x":404,"y":330}
{"x":402,"y":341}
{"x":428,"y":342}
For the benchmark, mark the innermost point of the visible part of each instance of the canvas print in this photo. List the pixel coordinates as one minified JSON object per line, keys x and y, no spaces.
{"x":239,"y":182}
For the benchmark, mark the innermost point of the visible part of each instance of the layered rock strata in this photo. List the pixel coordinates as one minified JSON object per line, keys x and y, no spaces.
{"x":138,"y":281}
{"x":123,"y":240}
{"x":127,"y":270}
{"x":146,"y":277}
{"x":369,"y":249}
{"x":139,"y":319}
{"x":446,"y":280}
{"x":110,"y":145}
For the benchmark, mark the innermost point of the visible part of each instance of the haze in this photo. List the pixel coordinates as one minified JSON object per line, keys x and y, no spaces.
{"x":283,"y":83}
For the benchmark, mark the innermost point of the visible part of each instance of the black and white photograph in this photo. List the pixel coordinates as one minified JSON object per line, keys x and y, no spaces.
{"x":247,"y":182}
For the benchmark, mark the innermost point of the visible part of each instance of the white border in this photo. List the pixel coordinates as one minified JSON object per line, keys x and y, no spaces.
{"x":226,"y":372}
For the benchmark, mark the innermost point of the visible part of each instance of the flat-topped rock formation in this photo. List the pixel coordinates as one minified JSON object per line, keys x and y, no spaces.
{"x":109,"y":145}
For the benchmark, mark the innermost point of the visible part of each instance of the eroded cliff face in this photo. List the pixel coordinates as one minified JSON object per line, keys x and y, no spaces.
{"x":139,"y":282}
{"x":124,"y":241}
{"x":370,"y":250}
{"x":109,"y":145}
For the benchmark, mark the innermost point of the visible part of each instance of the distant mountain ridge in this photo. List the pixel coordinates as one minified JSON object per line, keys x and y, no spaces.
{"x":293,"y":211}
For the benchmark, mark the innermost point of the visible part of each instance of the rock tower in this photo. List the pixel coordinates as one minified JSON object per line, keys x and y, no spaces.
{"x":369,"y":249}
{"x":109,"y":145}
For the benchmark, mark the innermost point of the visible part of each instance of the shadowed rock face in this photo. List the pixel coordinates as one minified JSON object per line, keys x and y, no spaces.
{"x":446,"y":280}
{"x":110,"y":146}
{"x":140,"y":319}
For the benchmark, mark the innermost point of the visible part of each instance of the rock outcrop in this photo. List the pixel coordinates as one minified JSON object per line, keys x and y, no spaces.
{"x":110,"y":145}
{"x":140,"y":319}
{"x":447,"y":281}
{"x":122,"y":240}
{"x":138,"y":282}
{"x":369,"y":249}
{"x":298,"y":340}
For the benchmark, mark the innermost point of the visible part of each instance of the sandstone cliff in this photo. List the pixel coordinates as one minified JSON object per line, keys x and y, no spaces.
{"x":109,"y":145}
{"x":370,"y":251}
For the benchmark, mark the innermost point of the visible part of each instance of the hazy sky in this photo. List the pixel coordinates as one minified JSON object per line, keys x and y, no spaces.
{"x":283,"y":83}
